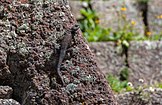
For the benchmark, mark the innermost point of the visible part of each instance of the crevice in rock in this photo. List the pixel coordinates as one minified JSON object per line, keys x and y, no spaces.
{"x":124,"y":73}
{"x":125,"y":51}
{"x":143,"y":8}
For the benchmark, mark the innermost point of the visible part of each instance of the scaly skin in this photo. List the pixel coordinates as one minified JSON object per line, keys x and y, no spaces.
{"x":68,"y":37}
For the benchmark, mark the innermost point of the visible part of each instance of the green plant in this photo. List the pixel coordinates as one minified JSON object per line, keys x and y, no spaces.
{"x":94,"y":32}
{"x":88,"y":20}
{"x":86,"y":0}
{"x":158,"y":85}
{"x":124,"y":74}
{"x":117,"y":85}
{"x":155,"y":37}
{"x":90,"y":27}
{"x":97,"y":34}
{"x":143,"y":1}
{"x":125,"y":32}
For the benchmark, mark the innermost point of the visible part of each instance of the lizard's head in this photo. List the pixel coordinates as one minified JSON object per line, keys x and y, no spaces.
{"x":75,"y":27}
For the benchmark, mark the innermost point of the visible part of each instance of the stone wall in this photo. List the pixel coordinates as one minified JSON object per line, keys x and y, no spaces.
{"x":110,"y":13}
{"x":151,"y":96}
{"x":109,"y":10}
{"x":144,"y":60}
{"x":108,"y":58}
{"x":155,"y":16}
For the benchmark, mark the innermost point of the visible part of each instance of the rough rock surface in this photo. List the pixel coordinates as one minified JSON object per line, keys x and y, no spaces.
{"x":30,"y":37}
{"x":8,"y":102}
{"x":110,"y":14}
{"x":5,"y":92}
{"x":155,"y":16}
{"x":145,"y":97}
{"x":108,"y":57}
{"x":76,"y":6}
{"x":145,"y":61}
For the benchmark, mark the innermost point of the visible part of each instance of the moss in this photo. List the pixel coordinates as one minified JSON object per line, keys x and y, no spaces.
{"x":124,"y":74}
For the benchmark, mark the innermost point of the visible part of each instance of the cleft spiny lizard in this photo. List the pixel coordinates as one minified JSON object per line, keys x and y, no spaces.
{"x":67,"y":39}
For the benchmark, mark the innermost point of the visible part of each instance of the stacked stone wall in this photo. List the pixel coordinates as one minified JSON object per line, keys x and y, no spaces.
{"x":148,"y":16}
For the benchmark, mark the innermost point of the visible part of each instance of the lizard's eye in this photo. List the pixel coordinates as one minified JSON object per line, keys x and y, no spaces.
{"x":76,"y":27}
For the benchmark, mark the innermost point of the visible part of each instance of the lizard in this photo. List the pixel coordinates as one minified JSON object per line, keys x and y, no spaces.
{"x":67,"y":39}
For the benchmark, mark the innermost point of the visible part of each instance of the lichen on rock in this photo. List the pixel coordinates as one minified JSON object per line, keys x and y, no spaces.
{"x":31,"y":32}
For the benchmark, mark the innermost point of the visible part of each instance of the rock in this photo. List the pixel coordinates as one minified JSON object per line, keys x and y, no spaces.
{"x":146,"y":97}
{"x":4,"y":69}
{"x":5,"y":92}
{"x":76,"y":6}
{"x":33,"y":36}
{"x":108,"y":13}
{"x":155,"y":16}
{"x":108,"y":57}
{"x":111,"y":15}
{"x":8,"y":102}
{"x":145,"y":62}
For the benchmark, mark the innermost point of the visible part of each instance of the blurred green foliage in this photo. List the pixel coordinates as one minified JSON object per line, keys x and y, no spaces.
{"x":117,"y":85}
{"x":120,"y":83}
{"x":124,"y":74}
{"x":93,"y":32}
{"x":143,"y":1}
{"x":155,"y":37}
{"x":158,"y":85}
{"x":90,"y":27}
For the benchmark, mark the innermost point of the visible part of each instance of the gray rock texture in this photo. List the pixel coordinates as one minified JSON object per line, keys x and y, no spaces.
{"x":155,"y":16}
{"x":108,"y":58}
{"x":76,"y":6}
{"x":145,"y":97}
{"x":5,"y":92}
{"x":4,"y":69}
{"x":145,"y":61}
{"x":143,"y":58}
{"x":111,"y":15}
{"x":8,"y":102}
{"x":31,"y":34}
